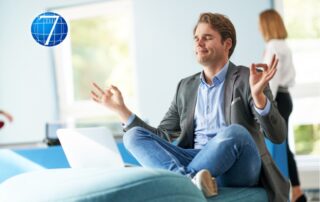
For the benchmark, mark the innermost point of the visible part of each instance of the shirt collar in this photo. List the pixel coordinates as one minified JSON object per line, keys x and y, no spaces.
{"x":218,"y":78}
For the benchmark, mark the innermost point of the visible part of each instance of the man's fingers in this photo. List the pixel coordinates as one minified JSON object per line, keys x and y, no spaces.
{"x":108,"y":92}
{"x":115,"y":89}
{"x":94,"y":94}
{"x":272,"y":60}
{"x":253,"y":69}
{"x":275,"y":64}
{"x":8,"y":116}
{"x":95,"y":99}
{"x":271,"y":74}
{"x":262,"y":66}
{"x":105,"y":94}
{"x":97,"y":87}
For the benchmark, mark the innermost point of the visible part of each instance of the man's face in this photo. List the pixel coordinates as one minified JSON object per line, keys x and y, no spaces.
{"x":209,"y":47}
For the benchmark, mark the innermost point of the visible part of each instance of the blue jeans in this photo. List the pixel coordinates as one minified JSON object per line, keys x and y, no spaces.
{"x":231,"y":156}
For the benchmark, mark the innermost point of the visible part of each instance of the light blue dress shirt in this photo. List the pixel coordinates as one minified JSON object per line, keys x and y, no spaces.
{"x":209,"y":113}
{"x":209,"y":117}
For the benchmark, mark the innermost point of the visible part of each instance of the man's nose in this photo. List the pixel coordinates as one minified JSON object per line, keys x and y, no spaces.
{"x":200,"y":42}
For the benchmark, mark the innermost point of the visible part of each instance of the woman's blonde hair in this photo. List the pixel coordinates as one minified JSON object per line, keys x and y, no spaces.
{"x":272,"y":25}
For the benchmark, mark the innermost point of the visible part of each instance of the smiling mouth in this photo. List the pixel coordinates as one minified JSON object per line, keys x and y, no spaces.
{"x":202,"y":51}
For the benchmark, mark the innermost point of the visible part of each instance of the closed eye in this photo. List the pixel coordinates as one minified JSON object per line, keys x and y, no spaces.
{"x":205,"y":37}
{"x":208,"y":37}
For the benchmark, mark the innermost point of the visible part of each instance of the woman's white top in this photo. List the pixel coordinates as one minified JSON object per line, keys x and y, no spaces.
{"x":285,"y":75}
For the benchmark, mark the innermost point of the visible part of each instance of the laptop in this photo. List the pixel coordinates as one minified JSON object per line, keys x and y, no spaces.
{"x":90,"y":147}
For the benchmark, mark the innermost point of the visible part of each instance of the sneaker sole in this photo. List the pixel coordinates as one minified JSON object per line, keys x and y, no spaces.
{"x":209,"y":184}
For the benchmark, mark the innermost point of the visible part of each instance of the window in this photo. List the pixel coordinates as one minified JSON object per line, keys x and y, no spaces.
{"x":98,"y":48}
{"x":304,"y":40}
{"x":307,"y":139}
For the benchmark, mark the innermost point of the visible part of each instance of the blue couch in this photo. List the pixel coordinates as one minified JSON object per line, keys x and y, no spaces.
{"x":44,"y":175}
{"x":126,"y":184}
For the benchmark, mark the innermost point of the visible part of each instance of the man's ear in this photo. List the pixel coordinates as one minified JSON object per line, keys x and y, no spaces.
{"x":228,"y":44}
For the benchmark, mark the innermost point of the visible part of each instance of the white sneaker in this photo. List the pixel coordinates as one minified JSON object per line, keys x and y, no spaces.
{"x":206,"y":183}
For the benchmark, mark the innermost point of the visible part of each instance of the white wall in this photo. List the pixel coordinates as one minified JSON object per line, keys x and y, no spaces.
{"x":27,"y":87}
{"x":163,"y":55}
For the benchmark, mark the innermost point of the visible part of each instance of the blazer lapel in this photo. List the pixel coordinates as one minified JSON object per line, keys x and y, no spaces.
{"x":228,"y":91}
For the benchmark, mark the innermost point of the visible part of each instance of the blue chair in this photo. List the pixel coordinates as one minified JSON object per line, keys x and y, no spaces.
{"x":279,"y":155}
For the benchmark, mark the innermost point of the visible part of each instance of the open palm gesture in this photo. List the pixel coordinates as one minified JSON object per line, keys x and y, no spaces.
{"x":112,"y":99}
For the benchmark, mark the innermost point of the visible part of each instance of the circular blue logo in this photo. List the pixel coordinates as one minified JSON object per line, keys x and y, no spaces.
{"x":49,"y":29}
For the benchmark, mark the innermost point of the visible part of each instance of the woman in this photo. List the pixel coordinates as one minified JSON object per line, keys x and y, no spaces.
{"x":274,"y":34}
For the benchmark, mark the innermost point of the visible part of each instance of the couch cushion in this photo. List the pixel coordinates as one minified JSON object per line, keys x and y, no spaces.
{"x":228,"y":194}
{"x":126,"y":184}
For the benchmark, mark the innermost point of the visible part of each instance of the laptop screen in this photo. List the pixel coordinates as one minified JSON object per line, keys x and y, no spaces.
{"x":90,"y":147}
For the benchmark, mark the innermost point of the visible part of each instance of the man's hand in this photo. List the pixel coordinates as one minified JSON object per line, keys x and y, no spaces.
{"x":260,"y":75}
{"x":7,"y":115}
{"x":112,"y":99}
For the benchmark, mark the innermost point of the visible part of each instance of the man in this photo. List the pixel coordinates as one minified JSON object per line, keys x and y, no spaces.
{"x":216,"y":117}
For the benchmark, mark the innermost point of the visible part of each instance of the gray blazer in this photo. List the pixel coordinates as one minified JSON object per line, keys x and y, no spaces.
{"x":177,"y":124}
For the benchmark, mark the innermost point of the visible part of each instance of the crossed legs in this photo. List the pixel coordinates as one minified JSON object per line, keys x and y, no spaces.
{"x":231,"y":156}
